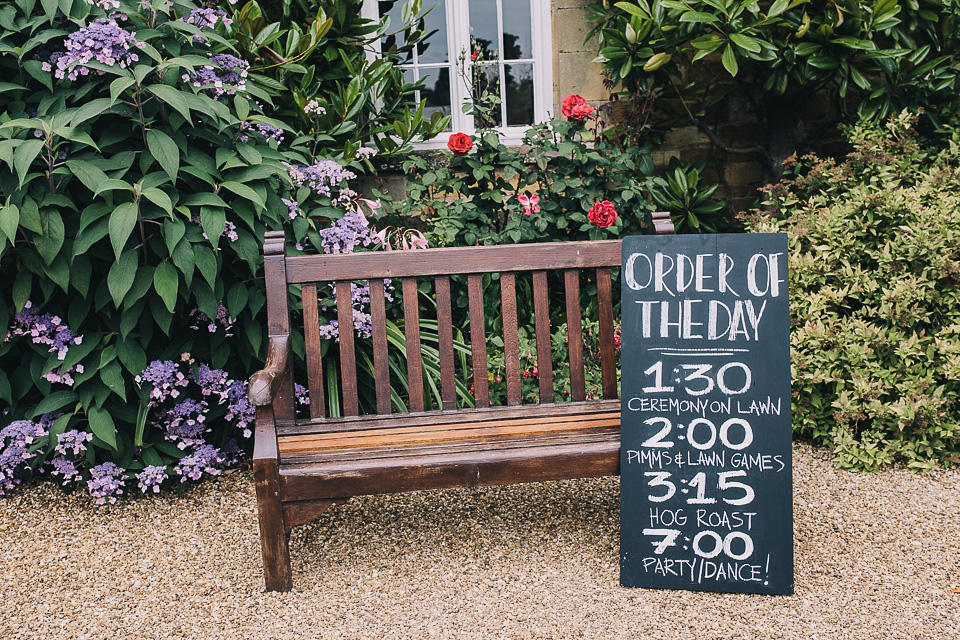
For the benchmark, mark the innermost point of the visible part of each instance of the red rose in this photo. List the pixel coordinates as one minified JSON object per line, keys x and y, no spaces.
{"x":603,"y":214}
{"x":460,"y":143}
{"x":576,"y":108}
{"x":474,"y":56}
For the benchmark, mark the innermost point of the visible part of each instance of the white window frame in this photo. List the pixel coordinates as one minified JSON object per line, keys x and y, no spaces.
{"x":458,"y":39}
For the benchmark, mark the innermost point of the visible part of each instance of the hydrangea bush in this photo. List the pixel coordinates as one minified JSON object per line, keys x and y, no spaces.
{"x":145,"y":148}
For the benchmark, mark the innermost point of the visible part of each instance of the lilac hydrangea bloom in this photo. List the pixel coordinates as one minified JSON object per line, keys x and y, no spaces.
{"x":165,"y":378}
{"x":208,"y":18}
{"x":65,"y":468}
{"x":73,"y":440}
{"x":205,"y":458}
{"x":226,"y":76}
{"x":151,"y":478}
{"x":239,"y":407}
{"x":321,"y":177}
{"x":45,"y":329}
{"x":106,"y":482}
{"x":103,"y":41}
{"x":106,"y":5}
{"x":14,"y":440}
{"x":223,"y":319}
{"x":184,"y":423}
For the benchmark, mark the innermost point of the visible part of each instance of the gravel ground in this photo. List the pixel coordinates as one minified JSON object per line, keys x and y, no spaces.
{"x":877,"y":556}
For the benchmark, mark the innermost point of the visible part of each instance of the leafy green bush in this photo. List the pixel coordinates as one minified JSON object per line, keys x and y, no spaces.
{"x":875,"y":294}
{"x":140,"y":164}
{"x":867,"y":57}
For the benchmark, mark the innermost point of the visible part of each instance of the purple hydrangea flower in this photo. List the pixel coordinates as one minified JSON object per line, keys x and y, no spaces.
{"x":322,"y":176}
{"x":106,"y":482}
{"x":291,"y":206}
{"x":74,"y":441}
{"x":45,"y":329}
{"x":151,"y":478}
{"x":103,"y":41}
{"x":223,"y":319}
{"x":65,"y":468}
{"x":239,"y":407}
{"x":165,"y":378}
{"x":205,"y":458}
{"x":21,"y":433}
{"x":302,"y":393}
{"x":106,"y":5}
{"x":226,"y":76}
{"x":184,"y":423}
{"x":207,"y":18}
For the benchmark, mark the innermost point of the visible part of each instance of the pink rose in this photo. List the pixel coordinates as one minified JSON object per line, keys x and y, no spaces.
{"x":576,"y":108}
{"x":603,"y":214}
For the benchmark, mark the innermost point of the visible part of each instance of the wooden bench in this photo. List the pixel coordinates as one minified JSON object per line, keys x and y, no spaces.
{"x":302,"y":466}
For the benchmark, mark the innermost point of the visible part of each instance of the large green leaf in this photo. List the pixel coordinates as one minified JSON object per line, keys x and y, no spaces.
{"x":102,"y":426}
{"x":88,"y":173}
{"x":165,"y":150}
{"x":10,"y":222}
{"x":121,"y":276}
{"x":244,"y":191}
{"x":172,"y":97}
{"x":166,"y":280}
{"x":122,"y":221}
{"x":51,"y":240}
{"x":23,"y":157}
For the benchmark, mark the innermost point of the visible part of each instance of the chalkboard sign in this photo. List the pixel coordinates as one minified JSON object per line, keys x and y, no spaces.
{"x":705,"y":458}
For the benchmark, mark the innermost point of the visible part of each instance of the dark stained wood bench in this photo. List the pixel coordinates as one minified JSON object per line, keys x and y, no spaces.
{"x":302,"y":466}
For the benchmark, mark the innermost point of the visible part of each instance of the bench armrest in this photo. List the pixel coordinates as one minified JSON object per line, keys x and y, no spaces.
{"x":265,"y":383}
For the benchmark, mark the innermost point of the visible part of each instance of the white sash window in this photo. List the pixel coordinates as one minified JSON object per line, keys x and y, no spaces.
{"x":504,"y":44}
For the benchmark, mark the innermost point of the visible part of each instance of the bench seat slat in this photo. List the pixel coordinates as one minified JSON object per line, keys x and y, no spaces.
{"x":559,"y":411}
{"x":439,"y":433}
{"x":484,"y":464}
{"x":308,"y":459}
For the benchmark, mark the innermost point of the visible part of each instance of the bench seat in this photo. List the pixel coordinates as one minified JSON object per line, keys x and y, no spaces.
{"x":448,"y":449}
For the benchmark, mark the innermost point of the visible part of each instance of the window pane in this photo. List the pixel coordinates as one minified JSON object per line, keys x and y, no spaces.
{"x":518,"y":81}
{"x":434,"y":48}
{"x":517,"y":38}
{"x":410,"y":77}
{"x":437,"y":91}
{"x":484,"y":31}
{"x":486,"y":96}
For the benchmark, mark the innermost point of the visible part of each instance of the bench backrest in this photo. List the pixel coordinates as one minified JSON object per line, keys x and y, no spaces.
{"x":409,"y":267}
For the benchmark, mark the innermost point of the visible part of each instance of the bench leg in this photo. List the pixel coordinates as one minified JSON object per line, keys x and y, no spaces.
{"x":273,"y":534}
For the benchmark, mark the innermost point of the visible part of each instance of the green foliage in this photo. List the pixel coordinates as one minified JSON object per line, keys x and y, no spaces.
{"x":875,"y":295}
{"x":472,"y":199}
{"x":135,"y":198}
{"x":313,"y":50}
{"x":689,"y":201}
{"x":880,"y":55}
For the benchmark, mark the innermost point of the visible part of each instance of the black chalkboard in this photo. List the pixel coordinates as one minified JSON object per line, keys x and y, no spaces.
{"x":705,"y":458}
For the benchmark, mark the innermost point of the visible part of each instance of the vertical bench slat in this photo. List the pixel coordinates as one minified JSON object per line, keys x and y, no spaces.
{"x":608,"y":365}
{"x":411,"y":330}
{"x":541,"y":311}
{"x":381,"y":365}
{"x":478,"y":340}
{"x":448,"y":382}
{"x":571,"y":281}
{"x":311,"y":334}
{"x":511,"y":340}
{"x":348,"y":357}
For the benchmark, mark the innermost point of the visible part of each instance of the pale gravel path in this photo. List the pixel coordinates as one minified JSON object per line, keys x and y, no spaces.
{"x":876,"y":555}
